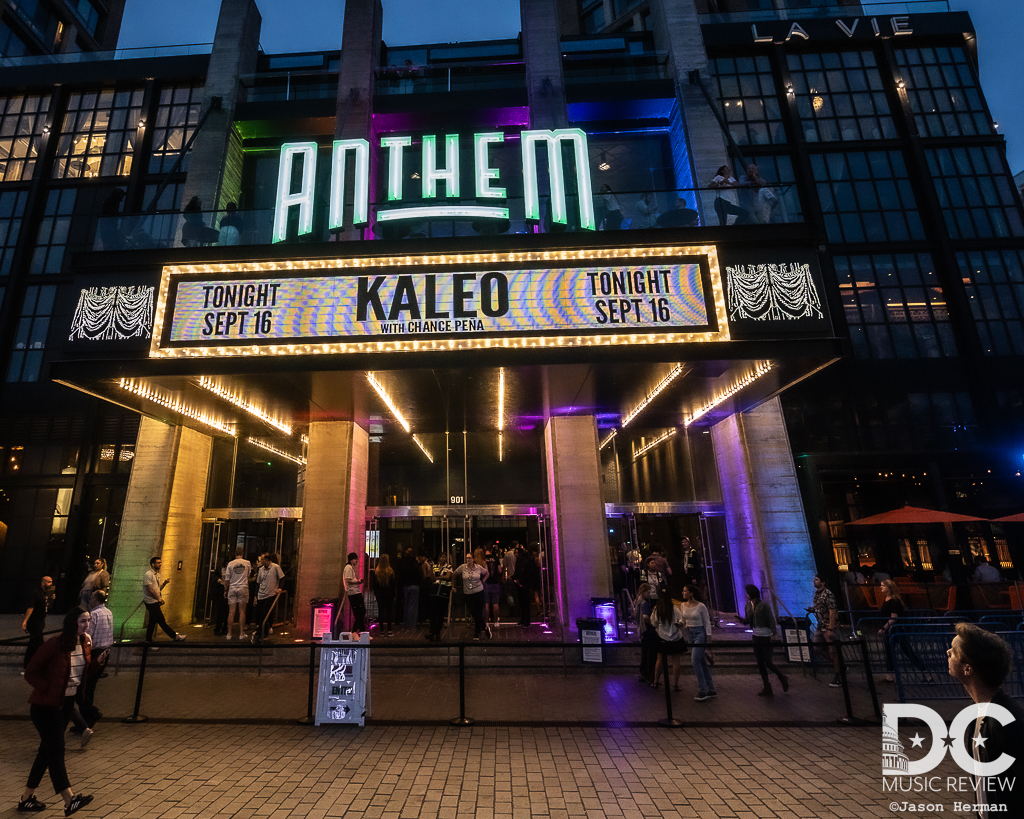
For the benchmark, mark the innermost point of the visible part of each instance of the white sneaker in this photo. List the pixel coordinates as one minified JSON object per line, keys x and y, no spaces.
{"x":229,"y":636}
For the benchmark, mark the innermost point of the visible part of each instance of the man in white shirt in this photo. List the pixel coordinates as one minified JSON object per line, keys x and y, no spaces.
{"x":236,"y":580}
{"x":153,"y":586}
{"x":269,"y":579}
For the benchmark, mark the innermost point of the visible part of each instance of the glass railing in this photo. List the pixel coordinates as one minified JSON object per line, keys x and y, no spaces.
{"x":745,"y":11}
{"x":590,"y":69}
{"x":284,"y":86}
{"x":435,"y":78}
{"x":446,"y":219}
{"x":104,"y":56}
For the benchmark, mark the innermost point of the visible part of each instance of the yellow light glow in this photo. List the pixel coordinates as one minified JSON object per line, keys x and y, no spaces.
{"x":668,"y":379}
{"x":501,"y":398}
{"x":423,"y":448}
{"x":243,"y":404}
{"x":157,"y":396}
{"x":648,"y":447}
{"x":295,"y":459}
{"x":760,"y":370}
{"x":387,"y":400}
{"x":608,"y":439}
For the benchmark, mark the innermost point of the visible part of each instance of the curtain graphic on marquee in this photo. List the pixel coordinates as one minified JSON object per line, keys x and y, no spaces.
{"x":113,"y":313}
{"x":772,"y":292}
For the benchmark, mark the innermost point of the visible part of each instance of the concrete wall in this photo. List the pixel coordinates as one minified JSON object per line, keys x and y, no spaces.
{"x":542,"y":49}
{"x":769,"y":544}
{"x":578,"y":530}
{"x":334,"y":511}
{"x":215,"y":167}
{"x":162,"y":517}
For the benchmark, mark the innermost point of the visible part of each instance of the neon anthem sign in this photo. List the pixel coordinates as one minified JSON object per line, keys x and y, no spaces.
{"x":486,"y":179}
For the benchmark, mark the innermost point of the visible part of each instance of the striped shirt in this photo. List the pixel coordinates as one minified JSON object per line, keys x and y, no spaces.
{"x":77,"y":671}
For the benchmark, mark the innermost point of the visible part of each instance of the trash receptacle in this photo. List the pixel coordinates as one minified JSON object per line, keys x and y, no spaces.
{"x":322,"y":611}
{"x":605,"y":609}
{"x":591,"y":631}
{"x":796,"y":634}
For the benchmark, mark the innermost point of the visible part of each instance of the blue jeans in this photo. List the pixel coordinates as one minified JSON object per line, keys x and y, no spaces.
{"x":412,"y":607}
{"x":698,"y":639}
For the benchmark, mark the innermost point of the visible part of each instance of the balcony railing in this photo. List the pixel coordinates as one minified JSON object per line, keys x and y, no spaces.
{"x":686,"y":208}
{"x":445,"y":78}
{"x":747,"y":11}
{"x":105,"y":56}
{"x":590,"y":69}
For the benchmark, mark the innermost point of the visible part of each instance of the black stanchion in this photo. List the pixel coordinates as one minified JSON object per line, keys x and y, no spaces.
{"x":136,"y":717}
{"x":849,"y":719}
{"x":309,"y":719}
{"x":870,"y":678}
{"x":462,"y":719}
{"x":669,"y":721}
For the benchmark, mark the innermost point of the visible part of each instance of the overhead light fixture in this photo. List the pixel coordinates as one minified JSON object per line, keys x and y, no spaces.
{"x":668,"y":379}
{"x":648,"y":447}
{"x":387,"y":401}
{"x":158,"y":396}
{"x":760,"y":370}
{"x":604,"y":166}
{"x":295,"y":459}
{"x":423,"y":448}
{"x":243,"y":404}
{"x":608,"y":439}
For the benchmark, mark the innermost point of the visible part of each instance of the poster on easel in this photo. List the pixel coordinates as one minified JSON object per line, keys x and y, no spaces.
{"x":343,"y":693}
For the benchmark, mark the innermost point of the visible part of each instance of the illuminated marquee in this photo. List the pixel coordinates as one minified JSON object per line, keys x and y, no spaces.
{"x":579,"y":298}
{"x":485,"y":176}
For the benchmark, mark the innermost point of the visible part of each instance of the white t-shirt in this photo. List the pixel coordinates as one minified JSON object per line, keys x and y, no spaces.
{"x":352,"y":582}
{"x":151,"y":579}
{"x":728,"y":193}
{"x":269,"y":580}
{"x":77,"y":671}
{"x":670,"y":631}
{"x":237,"y":572}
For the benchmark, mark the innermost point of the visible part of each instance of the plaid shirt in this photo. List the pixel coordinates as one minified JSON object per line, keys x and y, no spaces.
{"x":101,"y":628}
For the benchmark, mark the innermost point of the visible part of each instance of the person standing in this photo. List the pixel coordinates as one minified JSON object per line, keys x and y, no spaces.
{"x":727,"y":204}
{"x":440,"y":597}
{"x":826,"y":612}
{"x":980,"y":661}
{"x":51,"y":673}
{"x":473,"y":578}
{"x":668,"y":621}
{"x":385,"y":588}
{"x":34,"y":621}
{"x":409,"y":578}
{"x":612,"y":209}
{"x":524,"y":579}
{"x":642,"y":609}
{"x":236,"y":575}
{"x":492,"y":588}
{"x":268,"y":580}
{"x":697,"y":622}
{"x":97,"y":580}
{"x":354,"y":593}
{"x":760,"y":617}
{"x":101,"y":633}
{"x":508,"y":570}
{"x":153,"y":586}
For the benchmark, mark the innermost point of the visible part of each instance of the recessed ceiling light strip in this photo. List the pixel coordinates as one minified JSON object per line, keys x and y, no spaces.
{"x":423,"y":449}
{"x":243,"y":404}
{"x":157,"y":396}
{"x":387,"y":400}
{"x":760,"y":370}
{"x":295,"y":459}
{"x":668,"y":379}
{"x":647,"y":447}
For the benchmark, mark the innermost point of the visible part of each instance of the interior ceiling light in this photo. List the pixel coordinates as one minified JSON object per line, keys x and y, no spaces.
{"x":387,"y":400}
{"x":295,"y":459}
{"x":648,"y":447}
{"x":241,"y":403}
{"x":760,"y":370}
{"x":604,"y":166}
{"x":608,"y":439}
{"x":501,"y":398}
{"x":423,"y":449}
{"x":668,"y":379}
{"x":158,"y":396}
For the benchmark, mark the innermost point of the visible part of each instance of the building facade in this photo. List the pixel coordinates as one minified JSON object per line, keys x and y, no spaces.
{"x":442,"y":295}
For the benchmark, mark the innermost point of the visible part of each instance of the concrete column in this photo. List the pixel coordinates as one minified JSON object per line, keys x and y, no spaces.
{"x":215,"y":167}
{"x":360,"y":49}
{"x":542,"y":50}
{"x":334,"y":511}
{"x":162,"y":518}
{"x":769,"y":544}
{"x":677,"y":33}
{"x":579,"y":535}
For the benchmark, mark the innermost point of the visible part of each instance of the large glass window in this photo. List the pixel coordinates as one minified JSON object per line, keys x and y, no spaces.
{"x":866,"y":197}
{"x":21,"y":131}
{"x":894,"y":306}
{"x":994,"y":281}
{"x":99,"y":134}
{"x":12,"y":206}
{"x":53,"y":231}
{"x":30,"y":340}
{"x":943,"y":94}
{"x":746,"y":89}
{"x":87,"y":13}
{"x":976,"y":193}
{"x":840,"y":97}
{"x":176,"y":119}
{"x":11,"y":45}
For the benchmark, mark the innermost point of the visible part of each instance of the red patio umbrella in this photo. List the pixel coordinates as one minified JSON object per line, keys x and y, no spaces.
{"x":1018,"y":518}
{"x":912,"y":514}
